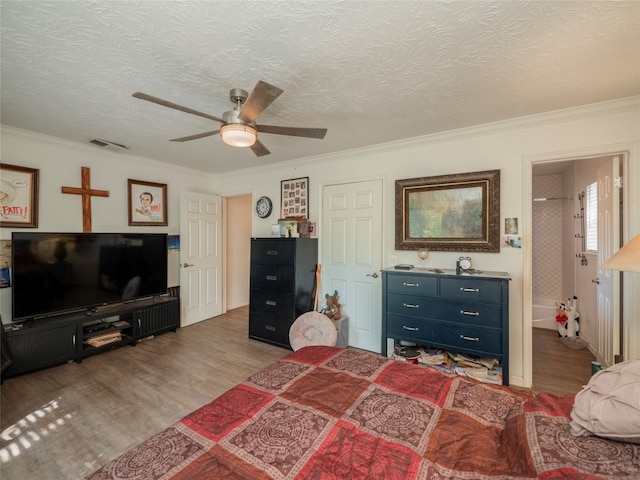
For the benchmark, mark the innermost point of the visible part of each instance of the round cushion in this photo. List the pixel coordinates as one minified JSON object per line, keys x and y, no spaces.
{"x":609,"y":405}
{"x":312,"y":328}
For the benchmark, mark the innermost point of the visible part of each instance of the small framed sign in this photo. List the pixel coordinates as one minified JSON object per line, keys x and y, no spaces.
{"x":295,"y":197}
{"x":18,"y":196}
{"x":147,"y":203}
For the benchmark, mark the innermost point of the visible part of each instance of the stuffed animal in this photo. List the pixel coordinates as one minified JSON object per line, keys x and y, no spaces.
{"x":568,"y":318}
{"x":561,"y":319}
{"x":332,"y":310}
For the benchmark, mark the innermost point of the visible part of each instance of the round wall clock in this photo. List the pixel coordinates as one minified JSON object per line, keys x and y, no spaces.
{"x":264,"y":207}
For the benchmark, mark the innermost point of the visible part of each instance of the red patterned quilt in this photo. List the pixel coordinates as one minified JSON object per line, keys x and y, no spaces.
{"x":329,"y":413}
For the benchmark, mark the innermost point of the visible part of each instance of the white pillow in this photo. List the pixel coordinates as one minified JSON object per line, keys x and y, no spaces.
{"x":609,"y":405}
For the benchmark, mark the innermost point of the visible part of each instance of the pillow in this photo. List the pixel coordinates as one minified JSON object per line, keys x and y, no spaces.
{"x":609,"y":405}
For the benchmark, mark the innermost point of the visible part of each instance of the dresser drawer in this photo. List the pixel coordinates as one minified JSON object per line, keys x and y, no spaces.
{"x":486,"y":340}
{"x":412,"y":284}
{"x":446,"y":334}
{"x":272,"y":304}
{"x":275,"y":278}
{"x":472,"y":313}
{"x":272,"y":252}
{"x":272,"y":330}
{"x":466,"y":288}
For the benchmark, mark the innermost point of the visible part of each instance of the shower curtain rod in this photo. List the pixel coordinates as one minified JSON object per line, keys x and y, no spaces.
{"x":544,"y":199}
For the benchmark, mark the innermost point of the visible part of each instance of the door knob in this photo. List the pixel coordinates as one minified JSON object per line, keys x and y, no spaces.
{"x":596,"y":280}
{"x":374,"y":275}
{"x":187,"y":265}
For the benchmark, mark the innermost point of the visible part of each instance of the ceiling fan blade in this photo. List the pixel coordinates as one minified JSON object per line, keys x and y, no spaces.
{"x":195,"y":137}
{"x":260,"y":98}
{"x":293,"y":131}
{"x":259,"y":149}
{"x":165,"y":103}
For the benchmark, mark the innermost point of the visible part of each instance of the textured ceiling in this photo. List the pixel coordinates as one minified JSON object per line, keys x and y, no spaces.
{"x":371,"y":72}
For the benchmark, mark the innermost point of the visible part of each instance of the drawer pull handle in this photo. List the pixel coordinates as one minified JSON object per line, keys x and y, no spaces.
{"x":475,"y":290}
{"x":410,"y":305}
{"x":272,"y":277}
{"x":270,"y":328}
{"x":410,"y":284}
{"x":271,"y":303}
{"x":272,"y":252}
{"x":411,"y":329}
{"x":471,"y":339}
{"x":470,"y":314}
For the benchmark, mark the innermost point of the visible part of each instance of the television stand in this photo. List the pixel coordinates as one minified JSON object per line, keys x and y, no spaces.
{"x":44,"y":342}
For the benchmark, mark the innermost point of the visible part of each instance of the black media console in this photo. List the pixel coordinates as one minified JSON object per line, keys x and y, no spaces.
{"x":44,"y":342}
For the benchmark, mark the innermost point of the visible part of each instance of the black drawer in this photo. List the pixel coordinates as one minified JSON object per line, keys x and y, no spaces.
{"x":446,"y":334}
{"x":473,"y":313}
{"x":275,"y":278}
{"x":272,"y":252}
{"x":272,"y":304}
{"x":471,"y":289}
{"x":412,"y":284}
{"x":269,"y":329}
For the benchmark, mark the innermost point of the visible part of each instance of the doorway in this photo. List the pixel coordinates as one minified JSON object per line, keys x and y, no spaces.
{"x":237,"y":233}
{"x":563,"y":268}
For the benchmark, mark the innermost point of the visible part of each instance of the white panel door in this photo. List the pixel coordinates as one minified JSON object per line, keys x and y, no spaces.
{"x":200,"y":257}
{"x":608,"y":243}
{"x":352,"y":256}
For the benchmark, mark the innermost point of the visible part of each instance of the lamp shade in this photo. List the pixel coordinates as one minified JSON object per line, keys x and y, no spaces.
{"x":238,"y":135}
{"x":627,"y":259}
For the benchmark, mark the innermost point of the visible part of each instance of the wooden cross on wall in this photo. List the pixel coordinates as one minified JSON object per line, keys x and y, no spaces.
{"x":86,"y":193}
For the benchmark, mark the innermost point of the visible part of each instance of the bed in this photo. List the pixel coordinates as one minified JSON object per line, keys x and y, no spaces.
{"x":331,"y":413}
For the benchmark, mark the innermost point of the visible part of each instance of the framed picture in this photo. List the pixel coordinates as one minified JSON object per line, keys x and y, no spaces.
{"x":450,"y":213}
{"x":147,"y":203}
{"x":295,"y":197}
{"x":18,"y":196}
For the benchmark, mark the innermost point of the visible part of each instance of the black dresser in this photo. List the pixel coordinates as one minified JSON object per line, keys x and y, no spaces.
{"x":459,"y":313}
{"x":282,"y":286}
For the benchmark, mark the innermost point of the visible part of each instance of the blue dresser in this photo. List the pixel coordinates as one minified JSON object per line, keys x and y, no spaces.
{"x":459,"y":313}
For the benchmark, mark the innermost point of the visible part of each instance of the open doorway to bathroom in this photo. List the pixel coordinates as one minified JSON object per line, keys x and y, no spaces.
{"x":563,"y":268}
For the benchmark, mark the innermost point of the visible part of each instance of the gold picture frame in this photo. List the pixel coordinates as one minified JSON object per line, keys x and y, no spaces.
{"x":147,"y":203}
{"x":450,"y":213}
{"x":18,"y":196}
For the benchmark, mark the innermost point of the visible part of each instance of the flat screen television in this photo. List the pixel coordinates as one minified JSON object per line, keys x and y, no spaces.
{"x":54,"y":273}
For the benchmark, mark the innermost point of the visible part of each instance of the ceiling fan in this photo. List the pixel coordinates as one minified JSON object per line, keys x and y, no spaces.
{"x":239,"y":127}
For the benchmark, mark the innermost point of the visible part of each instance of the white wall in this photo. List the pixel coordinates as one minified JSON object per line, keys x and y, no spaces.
{"x":508,"y":146}
{"x":60,"y":165}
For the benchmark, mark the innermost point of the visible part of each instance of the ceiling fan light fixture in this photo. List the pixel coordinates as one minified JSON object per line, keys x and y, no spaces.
{"x":238,"y":135}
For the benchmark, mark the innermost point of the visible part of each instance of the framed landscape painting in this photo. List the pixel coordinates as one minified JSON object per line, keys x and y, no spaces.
{"x":455,"y":213}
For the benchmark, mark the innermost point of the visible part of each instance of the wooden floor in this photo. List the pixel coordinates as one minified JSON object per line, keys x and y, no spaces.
{"x":557,"y":368}
{"x":65,"y":422}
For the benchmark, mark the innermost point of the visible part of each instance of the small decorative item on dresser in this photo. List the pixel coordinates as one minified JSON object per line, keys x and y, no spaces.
{"x":423,"y":254}
{"x":463,"y":265}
